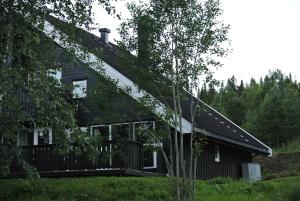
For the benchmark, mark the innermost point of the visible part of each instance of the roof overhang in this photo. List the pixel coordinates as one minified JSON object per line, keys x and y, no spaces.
{"x":267,"y":151}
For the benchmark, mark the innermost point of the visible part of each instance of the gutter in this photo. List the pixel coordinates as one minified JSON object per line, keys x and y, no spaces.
{"x":216,"y":136}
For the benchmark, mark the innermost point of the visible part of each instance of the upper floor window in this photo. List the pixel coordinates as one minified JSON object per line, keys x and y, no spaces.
{"x":79,"y":90}
{"x":56,"y":74}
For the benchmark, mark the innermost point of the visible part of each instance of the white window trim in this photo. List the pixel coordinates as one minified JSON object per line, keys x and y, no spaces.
{"x":83,"y":91}
{"x":102,"y":125}
{"x":140,"y":122}
{"x":36,"y":137}
{"x":217,"y":154}
{"x":154,"y":156}
{"x":54,"y":72}
{"x":120,"y":124}
{"x":110,"y":127}
{"x":153,"y":144}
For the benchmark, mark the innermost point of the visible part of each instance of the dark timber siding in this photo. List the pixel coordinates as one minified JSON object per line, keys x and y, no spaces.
{"x":230,"y":165}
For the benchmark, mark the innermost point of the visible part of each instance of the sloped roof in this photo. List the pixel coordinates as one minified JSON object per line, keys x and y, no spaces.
{"x":208,"y":121}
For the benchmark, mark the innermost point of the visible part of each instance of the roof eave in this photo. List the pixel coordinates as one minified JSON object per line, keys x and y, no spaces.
{"x":267,"y":151}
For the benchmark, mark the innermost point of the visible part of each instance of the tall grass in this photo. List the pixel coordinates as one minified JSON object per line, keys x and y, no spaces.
{"x":145,"y":189}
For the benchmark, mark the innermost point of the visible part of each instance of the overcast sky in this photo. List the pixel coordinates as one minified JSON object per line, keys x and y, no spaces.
{"x":265,"y":34}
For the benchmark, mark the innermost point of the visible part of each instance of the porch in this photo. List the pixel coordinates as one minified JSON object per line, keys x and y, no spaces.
{"x":114,"y":158}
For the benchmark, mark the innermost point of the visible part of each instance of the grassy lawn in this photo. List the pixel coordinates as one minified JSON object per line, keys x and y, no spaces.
{"x":145,"y":188}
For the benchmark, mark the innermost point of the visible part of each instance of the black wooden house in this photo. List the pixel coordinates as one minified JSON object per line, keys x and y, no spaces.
{"x":229,"y":146}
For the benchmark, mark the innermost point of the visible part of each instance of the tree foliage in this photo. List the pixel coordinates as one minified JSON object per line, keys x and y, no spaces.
{"x":29,"y":97}
{"x":178,"y":42}
{"x":268,"y":109}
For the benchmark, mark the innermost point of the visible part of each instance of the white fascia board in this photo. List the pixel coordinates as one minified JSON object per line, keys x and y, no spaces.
{"x":107,"y":71}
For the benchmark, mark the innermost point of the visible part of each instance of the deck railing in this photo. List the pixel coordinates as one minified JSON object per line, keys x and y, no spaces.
{"x":124,"y":154}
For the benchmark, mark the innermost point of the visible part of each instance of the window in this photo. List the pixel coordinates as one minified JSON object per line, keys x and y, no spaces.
{"x":141,"y":133}
{"x":141,"y":130}
{"x":150,"y":155}
{"x":120,"y":130}
{"x":56,"y":74}
{"x":79,"y":90}
{"x":217,"y":153}
{"x":103,"y":131}
{"x":42,"y":136}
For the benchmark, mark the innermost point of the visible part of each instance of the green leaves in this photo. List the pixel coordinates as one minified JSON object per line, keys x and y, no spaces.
{"x":29,"y":96}
{"x":268,"y":109}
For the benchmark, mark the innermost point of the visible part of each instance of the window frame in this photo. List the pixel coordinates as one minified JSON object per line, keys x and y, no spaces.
{"x":140,"y":122}
{"x":154,"y":154}
{"x":217,"y":157}
{"x":36,"y":137}
{"x":83,"y":91}
{"x":53,"y":73}
{"x":120,"y":124}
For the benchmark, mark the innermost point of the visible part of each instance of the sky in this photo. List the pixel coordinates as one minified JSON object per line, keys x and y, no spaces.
{"x":264,"y":34}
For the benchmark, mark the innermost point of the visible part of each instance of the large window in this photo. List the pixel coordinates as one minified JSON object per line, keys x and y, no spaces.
{"x":150,"y":155}
{"x":120,"y":131}
{"x":103,"y":131}
{"x":141,"y":130}
{"x":80,"y":88}
{"x":112,"y":131}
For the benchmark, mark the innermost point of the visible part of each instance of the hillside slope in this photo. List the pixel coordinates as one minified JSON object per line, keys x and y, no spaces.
{"x":280,"y":165}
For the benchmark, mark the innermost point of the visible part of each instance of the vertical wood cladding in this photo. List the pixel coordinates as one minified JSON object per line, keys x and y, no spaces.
{"x":230,"y":164}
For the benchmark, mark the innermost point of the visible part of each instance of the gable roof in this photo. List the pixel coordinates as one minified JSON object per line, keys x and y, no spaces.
{"x":208,"y":121}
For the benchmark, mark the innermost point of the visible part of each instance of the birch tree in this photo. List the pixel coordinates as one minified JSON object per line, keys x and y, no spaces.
{"x":178,"y":42}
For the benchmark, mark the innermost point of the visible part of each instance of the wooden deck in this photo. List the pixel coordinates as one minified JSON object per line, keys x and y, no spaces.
{"x":114,"y":158}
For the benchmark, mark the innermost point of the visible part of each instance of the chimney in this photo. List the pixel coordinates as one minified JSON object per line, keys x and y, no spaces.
{"x":104,"y":34}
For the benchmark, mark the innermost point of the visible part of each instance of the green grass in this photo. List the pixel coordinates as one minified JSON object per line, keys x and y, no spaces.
{"x":293,"y":146}
{"x":145,"y":189}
